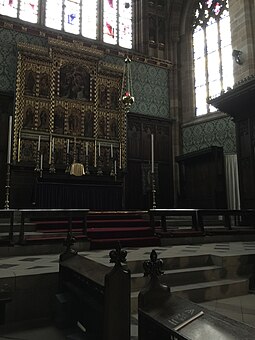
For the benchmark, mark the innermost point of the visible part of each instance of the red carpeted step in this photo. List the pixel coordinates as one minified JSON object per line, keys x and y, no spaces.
{"x":56,"y":224}
{"x":118,"y":223}
{"x":121,"y":232}
{"x":92,"y":223}
{"x":180,"y":233}
{"x":116,"y":215}
{"x":63,"y":230}
{"x":45,"y":238}
{"x":124,"y":242}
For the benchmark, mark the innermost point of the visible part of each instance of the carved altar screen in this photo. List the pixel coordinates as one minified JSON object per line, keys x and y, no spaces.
{"x":67,"y":108}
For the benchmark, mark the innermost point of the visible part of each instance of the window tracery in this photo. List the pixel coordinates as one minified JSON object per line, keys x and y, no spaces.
{"x":213,"y":65}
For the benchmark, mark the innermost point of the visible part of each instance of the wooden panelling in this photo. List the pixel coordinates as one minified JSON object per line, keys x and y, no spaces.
{"x":202,"y":179}
{"x":138,"y":180}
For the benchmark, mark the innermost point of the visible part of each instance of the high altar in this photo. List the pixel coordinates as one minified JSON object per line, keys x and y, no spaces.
{"x":69,"y":142}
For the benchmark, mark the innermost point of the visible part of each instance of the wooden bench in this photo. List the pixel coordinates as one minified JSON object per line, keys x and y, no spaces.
{"x":67,"y":215}
{"x":5,"y":297}
{"x":98,"y":297}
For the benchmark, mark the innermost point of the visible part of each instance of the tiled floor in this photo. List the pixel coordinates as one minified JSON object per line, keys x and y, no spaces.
{"x":36,"y":264}
{"x":238,"y":308}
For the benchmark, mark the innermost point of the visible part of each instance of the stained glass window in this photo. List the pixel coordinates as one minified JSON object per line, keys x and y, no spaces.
{"x":89,"y":19}
{"x":24,"y":9}
{"x":107,"y":20}
{"x":29,"y":10}
{"x":110,"y":21}
{"x":72,"y":16}
{"x":212,"y":52}
{"x":53,"y":17}
{"x":125,"y":23}
{"x":9,"y":7}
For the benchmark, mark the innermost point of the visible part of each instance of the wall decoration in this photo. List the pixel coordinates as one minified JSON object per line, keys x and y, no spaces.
{"x":218,"y":132}
{"x":74,"y":82}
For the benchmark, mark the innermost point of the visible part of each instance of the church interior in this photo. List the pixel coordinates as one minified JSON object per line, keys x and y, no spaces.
{"x":127,"y":162}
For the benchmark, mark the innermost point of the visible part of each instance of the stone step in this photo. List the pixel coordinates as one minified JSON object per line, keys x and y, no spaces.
{"x":208,"y":291}
{"x":204,"y":291}
{"x":179,"y":276}
{"x":172,"y":263}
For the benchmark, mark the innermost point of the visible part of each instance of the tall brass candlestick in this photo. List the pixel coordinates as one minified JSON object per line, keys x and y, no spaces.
{"x":120,"y":160}
{"x":95,"y":151}
{"x":19,"y":146}
{"x":7,"y":187}
{"x":8,"y":172}
{"x":87,"y":149}
{"x":9,"y":141}
{"x":39,"y":143}
{"x":111,"y":151}
{"x":152,"y":153}
{"x":50,"y":151}
{"x":74,"y":150}
{"x":41,"y":165}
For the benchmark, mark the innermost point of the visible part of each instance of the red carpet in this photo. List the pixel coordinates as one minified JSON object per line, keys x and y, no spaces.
{"x":104,"y":230}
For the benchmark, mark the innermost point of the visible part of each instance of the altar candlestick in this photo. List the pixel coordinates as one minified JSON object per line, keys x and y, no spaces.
{"x":41,"y":163}
{"x":9,"y":141}
{"x":74,"y":150}
{"x":53,"y":144}
{"x":50,"y":151}
{"x":39,"y":143}
{"x":152,"y":153}
{"x":87,"y":148}
{"x":99,"y":149}
{"x":95,"y":164}
{"x":115,"y":167}
{"x":19,"y":145}
{"x":68,"y":146}
{"x":111,"y":151}
{"x":120,"y":165}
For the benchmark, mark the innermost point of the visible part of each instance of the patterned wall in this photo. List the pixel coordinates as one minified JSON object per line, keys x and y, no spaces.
{"x":151,"y":89}
{"x":8,"y":55}
{"x":218,"y":132}
{"x":150,"y":83}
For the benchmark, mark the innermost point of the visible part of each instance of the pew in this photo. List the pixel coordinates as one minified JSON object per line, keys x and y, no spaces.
{"x":5,"y":297}
{"x":98,"y":297}
{"x":164,"y":316}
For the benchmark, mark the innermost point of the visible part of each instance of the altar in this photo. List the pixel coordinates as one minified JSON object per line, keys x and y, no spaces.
{"x":69,"y":192}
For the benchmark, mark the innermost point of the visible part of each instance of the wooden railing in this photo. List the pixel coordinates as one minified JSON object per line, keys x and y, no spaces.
{"x":9,"y":215}
{"x":27,"y":216}
{"x":229,"y":218}
{"x":65,"y":215}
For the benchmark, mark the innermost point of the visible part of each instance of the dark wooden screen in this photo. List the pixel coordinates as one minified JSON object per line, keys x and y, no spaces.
{"x":138,"y":181}
{"x":202,"y":179}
